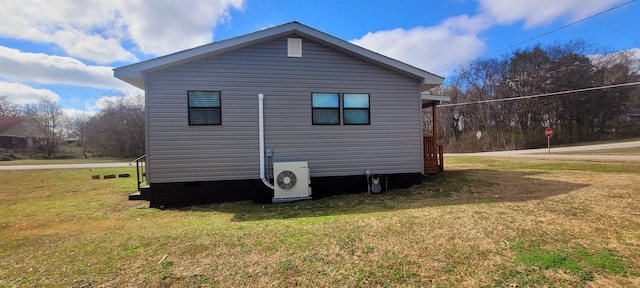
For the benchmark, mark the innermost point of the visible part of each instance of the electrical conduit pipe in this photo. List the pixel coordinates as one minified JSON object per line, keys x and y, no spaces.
{"x":261,"y":128}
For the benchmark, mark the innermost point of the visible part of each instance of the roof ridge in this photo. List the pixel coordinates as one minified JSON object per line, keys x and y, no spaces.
{"x":133,"y":73}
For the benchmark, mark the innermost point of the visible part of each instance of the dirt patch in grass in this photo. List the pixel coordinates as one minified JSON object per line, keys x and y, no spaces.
{"x":482,"y":223}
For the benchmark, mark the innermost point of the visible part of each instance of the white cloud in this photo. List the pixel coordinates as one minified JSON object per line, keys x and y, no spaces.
{"x":91,"y":109}
{"x":73,"y":113}
{"x":432,"y":49}
{"x":22,"y":94}
{"x":95,"y":30}
{"x":92,"y":47}
{"x":161,"y":27}
{"x":46,"y":69}
{"x":630,"y":58}
{"x":71,"y":25}
{"x":541,"y":12}
{"x":634,"y":55}
{"x":465,"y":24}
{"x":133,"y":99}
{"x":456,"y":40}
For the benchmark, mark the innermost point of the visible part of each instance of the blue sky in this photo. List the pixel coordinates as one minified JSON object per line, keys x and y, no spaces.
{"x":65,"y":49}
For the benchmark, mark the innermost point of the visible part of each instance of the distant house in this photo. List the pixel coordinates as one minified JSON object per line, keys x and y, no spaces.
{"x":233,"y":119}
{"x":14,"y":133}
{"x":633,"y":117}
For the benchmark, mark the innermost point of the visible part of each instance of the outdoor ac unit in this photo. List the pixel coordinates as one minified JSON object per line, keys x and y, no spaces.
{"x":291,"y":181}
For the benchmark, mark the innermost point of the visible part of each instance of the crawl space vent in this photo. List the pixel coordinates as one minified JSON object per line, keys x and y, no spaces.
{"x":294,"y":47}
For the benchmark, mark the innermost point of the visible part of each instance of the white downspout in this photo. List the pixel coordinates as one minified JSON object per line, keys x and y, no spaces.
{"x":261,"y":128}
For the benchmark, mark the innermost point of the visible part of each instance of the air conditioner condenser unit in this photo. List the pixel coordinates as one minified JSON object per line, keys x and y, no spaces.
{"x":291,"y":181}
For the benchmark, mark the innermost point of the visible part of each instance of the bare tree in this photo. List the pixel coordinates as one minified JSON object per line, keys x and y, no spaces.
{"x":79,"y":126}
{"x":8,"y":108}
{"x":49,"y":126}
{"x":580,"y":116}
{"x":118,"y":129}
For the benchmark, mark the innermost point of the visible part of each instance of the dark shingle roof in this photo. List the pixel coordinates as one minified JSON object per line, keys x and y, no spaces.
{"x":6,"y":123}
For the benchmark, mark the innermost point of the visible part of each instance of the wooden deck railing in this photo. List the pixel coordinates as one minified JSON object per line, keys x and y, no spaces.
{"x":433,"y":156}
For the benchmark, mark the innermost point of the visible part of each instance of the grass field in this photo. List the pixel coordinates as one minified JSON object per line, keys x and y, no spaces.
{"x":624,"y":151}
{"x":482,"y":223}
{"x":62,"y":161}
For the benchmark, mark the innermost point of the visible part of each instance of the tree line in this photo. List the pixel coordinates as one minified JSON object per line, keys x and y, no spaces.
{"x":518,"y":124}
{"x":116,"y":130}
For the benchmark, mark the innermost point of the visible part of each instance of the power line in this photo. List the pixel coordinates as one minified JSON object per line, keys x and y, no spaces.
{"x":541,"y":35}
{"x":542,"y":95}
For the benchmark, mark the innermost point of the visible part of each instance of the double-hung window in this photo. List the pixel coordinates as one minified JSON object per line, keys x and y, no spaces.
{"x":356,"y":109}
{"x":325,"y":108}
{"x":204,"y":108}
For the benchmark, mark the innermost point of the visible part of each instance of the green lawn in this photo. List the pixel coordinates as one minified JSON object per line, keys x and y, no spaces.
{"x":621,"y":151}
{"x":482,"y":223}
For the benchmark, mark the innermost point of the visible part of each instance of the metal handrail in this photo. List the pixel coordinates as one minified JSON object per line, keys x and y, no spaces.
{"x":141,"y":173}
{"x":140,"y":158}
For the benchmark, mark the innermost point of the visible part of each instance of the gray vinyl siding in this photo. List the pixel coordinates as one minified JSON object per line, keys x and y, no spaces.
{"x":392,"y":143}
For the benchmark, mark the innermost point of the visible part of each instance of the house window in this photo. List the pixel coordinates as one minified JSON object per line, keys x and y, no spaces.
{"x":356,"y":109}
{"x":325,"y":108}
{"x":204,"y":108}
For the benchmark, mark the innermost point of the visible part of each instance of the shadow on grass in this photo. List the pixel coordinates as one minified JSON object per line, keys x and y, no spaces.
{"x":444,"y":189}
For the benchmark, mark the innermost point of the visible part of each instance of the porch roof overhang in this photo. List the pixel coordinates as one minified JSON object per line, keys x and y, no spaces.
{"x":429,"y":100}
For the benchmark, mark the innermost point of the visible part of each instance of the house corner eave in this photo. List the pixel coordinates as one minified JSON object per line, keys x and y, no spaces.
{"x":426,"y":86}
{"x":134,"y":78}
{"x":430,"y":81}
{"x":429,"y":100}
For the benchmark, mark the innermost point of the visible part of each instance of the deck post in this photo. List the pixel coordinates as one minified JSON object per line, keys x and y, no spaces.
{"x":435,"y":128}
{"x":436,"y":155}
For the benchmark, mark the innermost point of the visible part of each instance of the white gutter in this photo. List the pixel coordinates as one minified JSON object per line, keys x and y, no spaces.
{"x":261,"y":128}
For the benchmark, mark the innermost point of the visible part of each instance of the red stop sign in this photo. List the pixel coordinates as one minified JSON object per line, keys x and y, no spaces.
{"x":548,"y":132}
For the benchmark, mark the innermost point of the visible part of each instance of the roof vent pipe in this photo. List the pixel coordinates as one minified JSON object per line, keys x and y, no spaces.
{"x":261,"y":128}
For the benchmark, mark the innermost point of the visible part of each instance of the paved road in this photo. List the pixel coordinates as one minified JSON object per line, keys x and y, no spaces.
{"x":530,"y":153}
{"x":556,"y":153}
{"x":66,"y":166}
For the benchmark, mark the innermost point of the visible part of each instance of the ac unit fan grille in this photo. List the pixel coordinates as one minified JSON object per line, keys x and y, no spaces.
{"x":286,"y":180}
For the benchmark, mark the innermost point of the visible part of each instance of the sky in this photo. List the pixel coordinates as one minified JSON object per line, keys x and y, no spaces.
{"x":65,"y":50}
